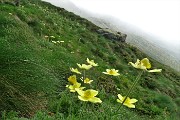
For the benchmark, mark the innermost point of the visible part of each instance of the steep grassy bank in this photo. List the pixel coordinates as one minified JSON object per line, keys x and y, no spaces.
{"x":34,"y":68}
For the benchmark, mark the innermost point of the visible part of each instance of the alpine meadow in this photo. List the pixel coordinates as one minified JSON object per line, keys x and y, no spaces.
{"x":55,"y":65}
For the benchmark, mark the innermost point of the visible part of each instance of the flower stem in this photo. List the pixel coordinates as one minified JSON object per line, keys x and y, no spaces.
{"x":128,"y":93}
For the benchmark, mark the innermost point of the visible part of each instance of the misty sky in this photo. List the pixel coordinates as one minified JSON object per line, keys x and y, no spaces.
{"x":157,"y":17}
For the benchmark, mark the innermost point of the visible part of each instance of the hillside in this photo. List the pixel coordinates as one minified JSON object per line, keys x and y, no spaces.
{"x":149,"y":44}
{"x":39,"y":43}
{"x":146,"y":43}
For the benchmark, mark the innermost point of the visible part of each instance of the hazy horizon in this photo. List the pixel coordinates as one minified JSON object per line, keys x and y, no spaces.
{"x":159,"y":18}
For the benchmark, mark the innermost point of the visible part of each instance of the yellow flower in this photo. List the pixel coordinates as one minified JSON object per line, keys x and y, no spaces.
{"x":46,"y":36}
{"x":84,"y":66}
{"x":75,"y":70}
{"x":72,"y":79}
{"x":75,"y":87}
{"x":128,"y":102}
{"x":60,"y":41}
{"x":111,"y":72}
{"x":52,"y":36}
{"x":91,"y":62}
{"x":155,"y":70}
{"x":88,"y":95}
{"x":144,"y":64}
{"x":54,"y":42}
{"x":87,"y":81}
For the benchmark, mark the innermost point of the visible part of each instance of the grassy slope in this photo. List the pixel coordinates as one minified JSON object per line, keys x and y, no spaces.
{"x":34,"y":70}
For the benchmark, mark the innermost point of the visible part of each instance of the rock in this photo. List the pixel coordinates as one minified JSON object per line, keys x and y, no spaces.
{"x":16,"y":2}
{"x":11,"y":2}
{"x":107,"y":33}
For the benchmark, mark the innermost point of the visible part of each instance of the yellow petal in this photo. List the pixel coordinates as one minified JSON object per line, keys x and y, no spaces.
{"x":91,"y":62}
{"x":119,"y":101}
{"x":72,"y":90}
{"x":134,"y":65}
{"x":93,"y":92}
{"x":142,"y":67}
{"x":70,"y":87}
{"x":155,"y":70}
{"x":116,"y":74}
{"x":105,"y":72}
{"x":146,"y":63}
{"x":82,"y":98}
{"x":129,"y":105}
{"x":77,"y":85}
{"x":81,"y":88}
{"x":80,"y":92}
{"x":84,"y":66}
{"x":87,"y":67}
{"x":120,"y":97}
{"x":87,"y":60}
{"x":72,"y":79}
{"x":75,"y":70}
{"x":108,"y":70}
{"x":90,"y":82}
{"x":133,"y":100}
{"x":87,"y":81}
{"x":79,"y":65}
{"x":111,"y":72}
{"x":95,"y":100}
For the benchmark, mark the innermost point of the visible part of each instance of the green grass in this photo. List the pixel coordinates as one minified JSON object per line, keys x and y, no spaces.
{"x":34,"y":70}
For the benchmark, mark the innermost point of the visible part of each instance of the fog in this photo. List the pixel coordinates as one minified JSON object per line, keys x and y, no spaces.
{"x":156,"y":17}
{"x":157,"y":21}
{"x":159,"y":18}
